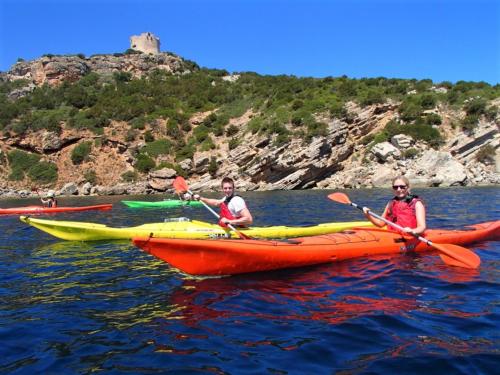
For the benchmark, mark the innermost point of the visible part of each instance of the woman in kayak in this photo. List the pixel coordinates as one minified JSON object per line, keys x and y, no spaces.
{"x":233,"y":209}
{"x":405,"y":209}
{"x":50,"y":201}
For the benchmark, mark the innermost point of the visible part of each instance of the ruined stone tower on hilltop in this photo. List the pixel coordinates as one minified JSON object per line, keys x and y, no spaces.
{"x":146,"y":42}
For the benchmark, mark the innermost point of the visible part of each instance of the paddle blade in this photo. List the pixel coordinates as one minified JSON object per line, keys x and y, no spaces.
{"x":458,"y":256}
{"x":180,"y":184}
{"x":340,"y":198}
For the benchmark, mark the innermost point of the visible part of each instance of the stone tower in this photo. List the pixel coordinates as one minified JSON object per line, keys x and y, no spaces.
{"x":146,"y":42}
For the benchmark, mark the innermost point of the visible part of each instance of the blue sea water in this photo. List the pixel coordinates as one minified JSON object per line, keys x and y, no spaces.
{"x":79,"y":308}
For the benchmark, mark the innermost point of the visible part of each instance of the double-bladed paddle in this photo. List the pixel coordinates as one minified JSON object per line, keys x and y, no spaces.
{"x":180,"y":185}
{"x":452,"y":255}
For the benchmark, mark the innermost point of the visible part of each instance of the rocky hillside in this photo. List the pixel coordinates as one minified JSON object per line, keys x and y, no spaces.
{"x":129,"y":123}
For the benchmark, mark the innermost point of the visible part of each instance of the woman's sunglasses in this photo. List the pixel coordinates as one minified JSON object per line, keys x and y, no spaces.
{"x":399,"y":187}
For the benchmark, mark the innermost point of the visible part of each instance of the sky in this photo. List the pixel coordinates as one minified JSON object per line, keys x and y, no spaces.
{"x":442,"y":40}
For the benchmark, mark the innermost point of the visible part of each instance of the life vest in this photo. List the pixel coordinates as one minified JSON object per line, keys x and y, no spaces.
{"x":52,"y":203}
{"x":403,"y":212}
{"x":224,"y":209}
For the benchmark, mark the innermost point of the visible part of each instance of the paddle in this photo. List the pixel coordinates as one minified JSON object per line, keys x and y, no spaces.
{"x":180,"y":185}
{"x":452,"y":255}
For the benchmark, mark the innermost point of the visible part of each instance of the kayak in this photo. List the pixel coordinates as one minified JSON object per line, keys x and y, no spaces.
{"x":169,"y":203}
{"x":229,"y":257}
{"x":34,"y":210}
{"x":175,"y":228}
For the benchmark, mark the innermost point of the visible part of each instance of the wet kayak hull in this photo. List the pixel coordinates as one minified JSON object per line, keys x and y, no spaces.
{"x":229,"y":257}
{"x":36,"y":210}
{"x":175,"y":228}
{"x":171,"y":203}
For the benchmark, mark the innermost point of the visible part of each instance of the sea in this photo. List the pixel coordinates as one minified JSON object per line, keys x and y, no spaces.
{"x":107,"y":307}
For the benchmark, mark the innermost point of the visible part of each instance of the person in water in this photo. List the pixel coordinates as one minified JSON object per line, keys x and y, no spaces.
{"x":233,"y":209}
{"x":405,"y":209}
{"x":50,"y":201}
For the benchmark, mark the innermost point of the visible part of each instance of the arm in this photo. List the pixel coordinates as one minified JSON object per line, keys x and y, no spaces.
{"x":210,"y":201}
{"x":246,"y":218}
{"x":375,"y":221}
{"x":421,"y":223}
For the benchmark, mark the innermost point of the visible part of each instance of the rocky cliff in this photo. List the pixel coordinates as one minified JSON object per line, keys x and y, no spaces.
{"x":339,"y":158}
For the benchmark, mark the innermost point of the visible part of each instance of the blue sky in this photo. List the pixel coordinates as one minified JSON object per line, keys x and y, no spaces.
{"x":443,"y":40}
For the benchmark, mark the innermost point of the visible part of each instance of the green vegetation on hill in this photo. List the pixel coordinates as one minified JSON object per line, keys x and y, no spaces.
{"x":282,"y":107}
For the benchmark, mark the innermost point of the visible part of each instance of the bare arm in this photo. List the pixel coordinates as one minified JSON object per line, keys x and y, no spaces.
{"x":211,"y":202}
{"x":375,"y":221}
{"x":421,"y":223}
{"x":246,"y":218}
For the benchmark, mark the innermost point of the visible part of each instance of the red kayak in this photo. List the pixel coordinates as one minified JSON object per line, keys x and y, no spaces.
{"x":229,"y":257}
{"x":33,"y":210}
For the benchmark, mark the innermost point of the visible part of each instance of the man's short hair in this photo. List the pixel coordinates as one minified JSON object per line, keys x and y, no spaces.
{"x":227,"y":180}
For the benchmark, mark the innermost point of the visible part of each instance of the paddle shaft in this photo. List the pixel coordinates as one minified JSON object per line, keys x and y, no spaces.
{"x":390,"y":223}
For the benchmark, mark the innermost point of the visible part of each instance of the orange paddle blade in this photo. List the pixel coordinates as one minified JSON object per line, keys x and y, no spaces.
{"x":340,"y":198}
{"x":458,"y":256}
{"x":180,"y":184}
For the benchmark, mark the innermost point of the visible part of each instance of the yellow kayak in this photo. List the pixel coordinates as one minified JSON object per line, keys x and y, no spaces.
{"x":176,"y":228}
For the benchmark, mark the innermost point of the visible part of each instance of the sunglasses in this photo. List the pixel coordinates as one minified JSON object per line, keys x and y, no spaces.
{"x":399,"y":187}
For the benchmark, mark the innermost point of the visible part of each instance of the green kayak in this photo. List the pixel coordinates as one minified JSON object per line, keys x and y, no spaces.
{"x":168,"y":203}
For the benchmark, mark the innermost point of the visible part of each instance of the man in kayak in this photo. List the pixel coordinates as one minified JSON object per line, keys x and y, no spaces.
{"x":233,"y":209}
{"x":405,"y":209}
{"x":50,"y":201}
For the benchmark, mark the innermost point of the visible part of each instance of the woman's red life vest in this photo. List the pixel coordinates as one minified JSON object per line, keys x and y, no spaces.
{"x":403,"y":212}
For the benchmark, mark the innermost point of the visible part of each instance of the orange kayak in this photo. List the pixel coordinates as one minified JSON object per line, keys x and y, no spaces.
{"x":229,"y":257}
{"x":33,"y":210}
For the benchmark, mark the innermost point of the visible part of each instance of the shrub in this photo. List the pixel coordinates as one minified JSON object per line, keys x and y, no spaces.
{"x":81,"y":152}
{"x":233,"y":143}
{"x":144,"y":163}
{"x":316,"y":129}
{"x":370,"y":96}
{"x":231,"y":130}
{"x":173,"y":129}
{"x":422,"y":132}
{"x":297,"y":104}
{"x":432,"y":119}
{"x":254,"y":125}
{"x":337,"y":109}
{"x":427,"y":101}
{"x":122,"y":76}
{"x":19,"y":162}
{"x":157,"y":148}
{"x":131,"y":134}
{"x":410,"y":153}
{"x":475,"y":107}
{"x":409,"y":110}
{"x":185,"y":152}
{"x":212,"y":166}
{"x":486,"y":154}
{"x":201,"y":133}
{"x":470,"y":121}
{"x":207,"y":145}
{"x":90,"y":176}
{"x":367,"y":139}
{"x":43,"y":172}
{"x":130,"y":176}
{"x":148,"y":136}
{"x":138,"y":123}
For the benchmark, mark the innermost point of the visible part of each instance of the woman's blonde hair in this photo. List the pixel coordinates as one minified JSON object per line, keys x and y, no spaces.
{"x":402,"y":178}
